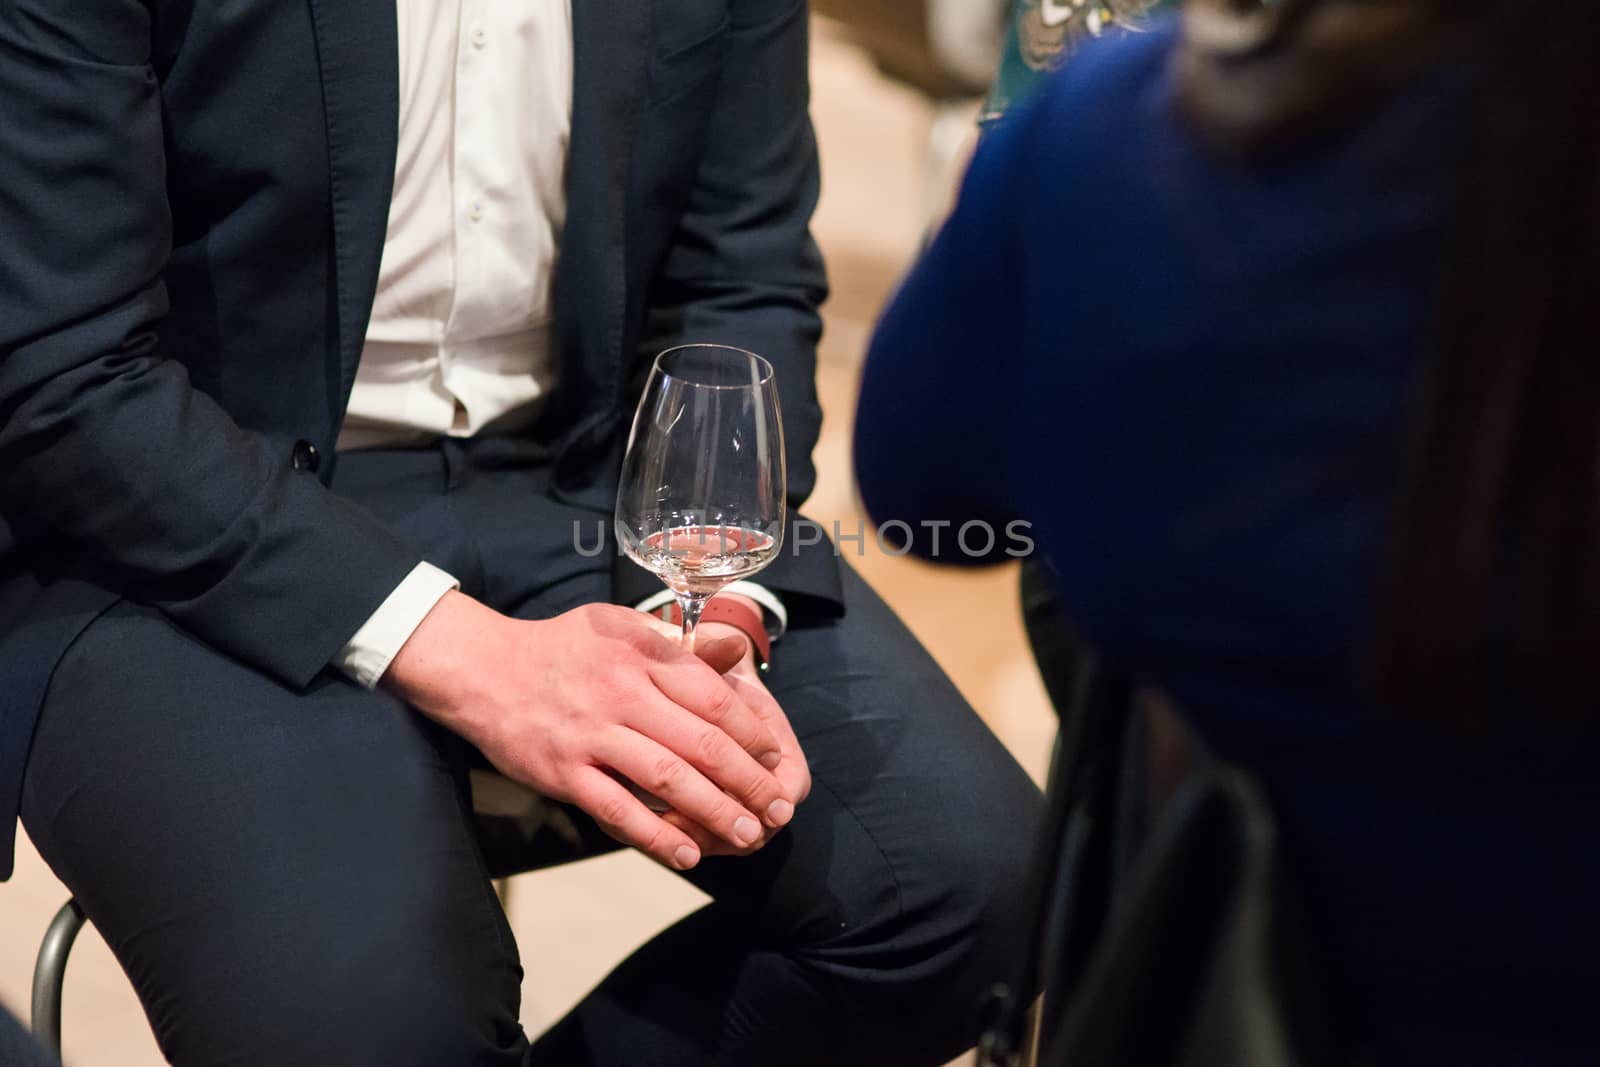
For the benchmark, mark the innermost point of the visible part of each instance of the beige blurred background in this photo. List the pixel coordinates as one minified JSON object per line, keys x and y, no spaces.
{"x":574,"y":923}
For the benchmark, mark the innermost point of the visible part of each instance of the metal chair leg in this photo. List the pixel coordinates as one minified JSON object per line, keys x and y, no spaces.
{"x":1007,"y":1041}
{"x":50,"y":974}
{"x":1029,"y":1056}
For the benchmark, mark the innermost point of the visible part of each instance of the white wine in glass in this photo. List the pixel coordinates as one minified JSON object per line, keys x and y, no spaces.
{"x":701,"y":501}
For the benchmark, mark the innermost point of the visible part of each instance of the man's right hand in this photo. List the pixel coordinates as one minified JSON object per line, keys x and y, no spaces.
{"x":567,"y":704}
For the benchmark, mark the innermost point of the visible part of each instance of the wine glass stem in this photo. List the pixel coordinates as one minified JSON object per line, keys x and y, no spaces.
{"x":691,"y":606}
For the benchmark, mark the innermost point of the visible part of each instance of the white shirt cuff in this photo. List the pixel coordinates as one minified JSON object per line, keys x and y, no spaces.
{"x":770,"y":604}
{"x":368,"y":654}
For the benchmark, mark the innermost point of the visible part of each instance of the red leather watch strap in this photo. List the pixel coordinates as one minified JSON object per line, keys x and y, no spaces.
{"x":735,"y":613}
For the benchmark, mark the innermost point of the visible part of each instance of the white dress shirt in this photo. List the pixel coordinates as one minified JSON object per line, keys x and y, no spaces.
{"x":459,"y":339}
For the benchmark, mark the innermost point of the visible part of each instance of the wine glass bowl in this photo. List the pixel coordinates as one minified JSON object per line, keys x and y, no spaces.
{"x":701,"y":500}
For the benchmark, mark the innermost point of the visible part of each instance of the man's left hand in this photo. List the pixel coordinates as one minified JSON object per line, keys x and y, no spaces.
{"x":745,"y":679}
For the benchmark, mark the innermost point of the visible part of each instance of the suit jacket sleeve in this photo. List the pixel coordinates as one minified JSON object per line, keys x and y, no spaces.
{"x":745,"y":271}
{"x":104,"y":442}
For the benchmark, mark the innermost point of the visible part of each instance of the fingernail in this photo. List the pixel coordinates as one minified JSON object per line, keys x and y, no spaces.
{"x":686,"y":856}
{"x":747,"y":830}
{"x":779,"y":812}
{"x":771,"y":760}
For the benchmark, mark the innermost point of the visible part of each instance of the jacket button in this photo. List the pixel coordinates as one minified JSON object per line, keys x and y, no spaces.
{"x":305,"y":457}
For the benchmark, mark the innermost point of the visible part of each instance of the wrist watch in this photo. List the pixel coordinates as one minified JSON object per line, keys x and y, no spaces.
{"x":744,"y":617}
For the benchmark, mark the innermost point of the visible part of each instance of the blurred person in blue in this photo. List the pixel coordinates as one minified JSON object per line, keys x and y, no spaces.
{"x":1042,"y":37}
{"x":1278,"y":325}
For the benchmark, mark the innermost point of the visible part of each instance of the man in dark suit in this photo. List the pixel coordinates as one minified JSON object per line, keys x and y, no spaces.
{"x":297,"y":418}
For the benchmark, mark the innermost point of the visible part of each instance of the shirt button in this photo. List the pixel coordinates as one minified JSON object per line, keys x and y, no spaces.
{"x":475,"y":211}
{"x":480,"y":37}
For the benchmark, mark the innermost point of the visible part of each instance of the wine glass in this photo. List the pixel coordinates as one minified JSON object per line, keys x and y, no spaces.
{"x":701,"y":502}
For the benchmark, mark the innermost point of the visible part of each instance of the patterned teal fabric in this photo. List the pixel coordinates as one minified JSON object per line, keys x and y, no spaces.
{"x":1045,"y":33}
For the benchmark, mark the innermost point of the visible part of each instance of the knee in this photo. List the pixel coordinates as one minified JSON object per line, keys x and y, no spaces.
{"x":372,"y":987}
{"x":945,"y":921}
{"x":971,"y":915}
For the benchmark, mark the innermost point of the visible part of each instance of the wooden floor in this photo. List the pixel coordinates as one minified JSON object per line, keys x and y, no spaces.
{"x":575,"y":923}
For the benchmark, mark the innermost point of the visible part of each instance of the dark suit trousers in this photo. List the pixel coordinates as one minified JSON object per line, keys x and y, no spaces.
{"x":17,"y":1047}
{"x":293,"y":877}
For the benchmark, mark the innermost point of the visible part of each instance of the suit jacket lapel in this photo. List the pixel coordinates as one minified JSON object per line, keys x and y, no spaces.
{"x":358,"y":49}
{"x":610,"y":52}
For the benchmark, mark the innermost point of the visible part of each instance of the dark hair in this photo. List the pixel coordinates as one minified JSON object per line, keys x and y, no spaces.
{"x":1492,"y":603}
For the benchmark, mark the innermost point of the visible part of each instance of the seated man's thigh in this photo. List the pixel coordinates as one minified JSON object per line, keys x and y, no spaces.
{"x":287,"y":877}
{"x":904,"y":874}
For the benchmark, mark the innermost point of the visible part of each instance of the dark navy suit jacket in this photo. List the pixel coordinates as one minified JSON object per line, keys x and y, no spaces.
{"x":193,"y":201}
